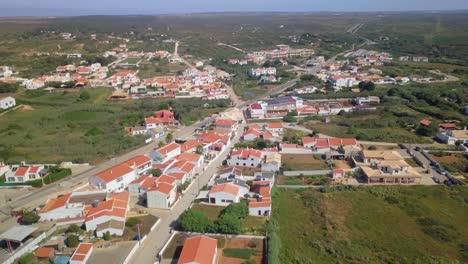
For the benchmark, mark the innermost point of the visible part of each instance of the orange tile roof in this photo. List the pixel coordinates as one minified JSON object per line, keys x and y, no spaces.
{"x":199,"y":249}
{"x":225,"y":122}
{"x":308,"y":140}
{"x":227,"y":188}
{"x":190,"y":144}
{"x":83,"y":248}
{"x":254,"y":132}
{"x":149,"y":182}
{"x":177,"y":175}
{"x":34,"y":169}
{"x":139,"y":161}
{"x":189,"y":157}
{"x":245,"y":153}
{"x":183,"y":165}
{"x":114,"y":172}
{"x":140,"y":179}
{"x":168,"y":148}
{"x":275,"y":125}
{"x":212,"y":137}
{"x":122,"y":196}
{"x":44,"y":252}
{"x":340,"y":171}
{"x":266,"y":202}
{"x":425,"y":122}
{"x":53,"y":204}
{"x":162,"y":187}
{"x":167,"y":179}
{"x":21,"y":171}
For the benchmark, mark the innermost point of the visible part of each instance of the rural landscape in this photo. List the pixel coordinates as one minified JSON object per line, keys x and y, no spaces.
{"x":234,"y":137}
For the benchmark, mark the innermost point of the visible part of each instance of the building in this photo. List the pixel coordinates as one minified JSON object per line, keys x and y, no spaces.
{"x":338,"y":174}
{"x":284,"y":103}
{"x":82,"y":253}
{"x":272,"y":162}
{"x":7,"y":102}
{"x":391,"y":172}
{"x":261,"y":206}
{"x":199,"y":250}
{"x":141,"y":163}
{"x":226,"y":124}
{"x":224,"y":194}
{"x":109,"y":215}
{"x":274,"y":128}
{"x":258,"y":72}
{"x":451,"y":137}
{"x":230,"y":173}
{"x":25,"y":173}
{"x":59,"y":208}
{"x":115,"y":178}
{"x":245,"y":158}
{"x":166,"y":152}
{"x":256,"y":111}
{"x":162,"y":195}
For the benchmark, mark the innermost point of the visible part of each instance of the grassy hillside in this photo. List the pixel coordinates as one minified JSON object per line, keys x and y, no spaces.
{"x":58,"y":126}
{"x":373,"y":225}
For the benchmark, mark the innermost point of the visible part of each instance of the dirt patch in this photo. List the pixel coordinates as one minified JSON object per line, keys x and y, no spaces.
{"x":342,"y":164}
{"x":242,"y":243}
{"x":26,"y":108}
{"x":447,"y":159}
{"x":299,"y":162}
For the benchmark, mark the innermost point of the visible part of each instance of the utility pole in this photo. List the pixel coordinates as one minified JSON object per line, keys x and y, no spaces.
{"x":139,"y":235}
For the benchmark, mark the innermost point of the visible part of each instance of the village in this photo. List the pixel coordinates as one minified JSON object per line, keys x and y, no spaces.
{"x":203,"y":190}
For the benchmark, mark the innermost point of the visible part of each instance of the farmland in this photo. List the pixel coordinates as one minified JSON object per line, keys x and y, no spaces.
{"x":300,"y":162}
{"x":361,"y":225}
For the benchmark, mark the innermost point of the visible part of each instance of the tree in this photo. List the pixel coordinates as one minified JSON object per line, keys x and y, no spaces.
{"x":289,"y":119}
{"x":229,"y":224}
{"x":458,"y":143}
{"x":293,"y":113}
{"x":194,"y":221}
{"x":240,"y":210}
{"x":107,"y":236}
{"x":370,"y":86}
{"x":156,"y":172}
{"x":131,"y":222}
{"x":72,"y":241}
{"x":29,"y":217}
{"x":427,"y":131}
{"x":200,"y":150}
{"x":74,"y":229}
{"x":27,"y":258}
{"x":169,"y":138}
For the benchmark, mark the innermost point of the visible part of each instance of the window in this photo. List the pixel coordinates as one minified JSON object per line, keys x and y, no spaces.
{"x":11,"y":179}
{"x":244,"y":164}
{"x":252,"y":165}
{"x":237,"y":163}
{"x":120,"y":179}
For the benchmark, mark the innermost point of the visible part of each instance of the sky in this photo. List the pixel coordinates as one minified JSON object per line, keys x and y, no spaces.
{"x":126,"y":7}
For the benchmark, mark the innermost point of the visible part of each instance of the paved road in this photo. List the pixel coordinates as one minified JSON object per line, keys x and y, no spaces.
{"x":157,"y":238}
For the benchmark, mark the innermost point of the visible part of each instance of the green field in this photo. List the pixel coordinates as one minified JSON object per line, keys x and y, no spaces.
{"x":389,"y":224}
{"x":59,"y":126}
{"x":251,"y":225}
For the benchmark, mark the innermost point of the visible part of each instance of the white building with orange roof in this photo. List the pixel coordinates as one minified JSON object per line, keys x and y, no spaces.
{"x":224,"y":194}
{"x":99,"y":217}
{"x":81,"y":254}
{"x":166,"y":152}
{"x":59,"y":208}
{"x":115,"y":178}
{"x":24,"y":173}
{"x":199,"y":250}
{"x":261,"y":205}
{"x":162,"y":195}
{"x":275,"y":128}
{"x":182,"y":166}
{"x":245,"y":158}
{"x":141,"y":163}
{"x":195,"y":159}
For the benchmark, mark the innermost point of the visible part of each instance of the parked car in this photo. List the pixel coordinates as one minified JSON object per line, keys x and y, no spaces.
{"x":448,"y":183}
{"x":417,"y":148}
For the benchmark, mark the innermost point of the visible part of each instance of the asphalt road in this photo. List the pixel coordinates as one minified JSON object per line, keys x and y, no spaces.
{"x":150,"y":248}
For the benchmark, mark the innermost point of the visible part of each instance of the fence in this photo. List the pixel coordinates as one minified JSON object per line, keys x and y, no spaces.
{"x":305,"y":173}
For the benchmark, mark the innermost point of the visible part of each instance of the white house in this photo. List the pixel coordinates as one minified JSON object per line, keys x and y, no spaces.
{"x":166,"y":152}
{"x":245,"y":158}
{"x":224,"y":194}
{"x":59,"y":208}
{"x":272,"y":162}
{"x":275,"y":127}
{"x":115,"y":178}
{"x":141,"y":163}
{"x":256,"y":111}
{"x":113,"y":209}
{"x":230,"y":173}
{"x":199,"y":250}
{"x":162,"y":195}
{"x":338,"y":174}
{"x":450,"y":137}
{"x":25,"y":173}
{"x":81,"y":254}
{"x":262,"y":71}
{"x":7,"y":102}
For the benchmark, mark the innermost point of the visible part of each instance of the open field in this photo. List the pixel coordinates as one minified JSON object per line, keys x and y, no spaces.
{"x":300,"y":162}
{"x":304,"y":180}
{"x":388,"y":224}
{"x":454,"y":163}
{"x":60,"y":126}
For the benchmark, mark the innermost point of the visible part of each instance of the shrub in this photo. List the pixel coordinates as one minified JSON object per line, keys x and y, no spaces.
{"x":30,"y":217}
{"x":391,"y":200}
{"x":27,"y":258}
{"x":242,"y":253}
{"x":228,"y":224}
{"x":72,"y":241}
{"x":85,"y":95}
{"x":74,"y":229}
{"x":131,"y":222}
{"x":156,"y":172}
{"x":194,"y":221}
{"x":107,"y":236}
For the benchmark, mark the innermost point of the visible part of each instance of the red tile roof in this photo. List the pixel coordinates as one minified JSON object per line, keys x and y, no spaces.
{"x":245,"y":153}
{"x":167,"y":179}
{"x":225,"y":123}
{"x":199,"y":249}
{"x":256,"y":106}
{"x":190,"y":144}
{"x":21,"y":171}
{"x":425,"y":122}
{"x":53,"y":204}
{"x":275,"y":125}
{"x":82,"y":251}
{"x":447,"y":125}
{"x":44,"y":252}
{"x":168,"y":148}
{"x":114,"y":172}
{"x":192,"y":157}
{"x":139,"y":161}
{"x":227,"y":188}
{"x":338,"y":171}
{"x":162,"y":187}
{"x":34,"y":169}
{"x":213,"y":137}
